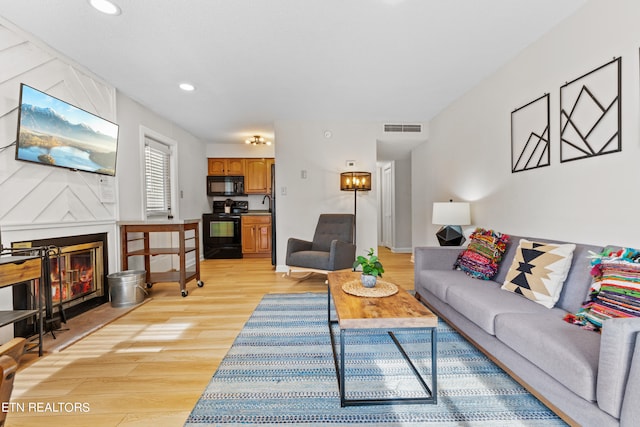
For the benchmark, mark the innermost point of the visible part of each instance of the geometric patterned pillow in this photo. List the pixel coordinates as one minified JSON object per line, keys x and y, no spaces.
{"x":615,"y":291}
{"x":538,"y":271}
{"x":483,"y":254}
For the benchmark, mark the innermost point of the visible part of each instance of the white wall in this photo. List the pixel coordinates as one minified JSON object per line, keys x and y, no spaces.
{"x":35,"y":194}
{"x":192,"y":162}
{"x":302,"y":146}
{"x":467,"y":156}
{"x":135,"y":120}
{"x":39,"y":202}
{"x":240,"y":150}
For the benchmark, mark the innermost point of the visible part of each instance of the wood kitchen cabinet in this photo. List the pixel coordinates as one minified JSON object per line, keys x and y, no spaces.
{"x":256,"y":236}
{"x":226,"y":166}
{"x":257,"y":178}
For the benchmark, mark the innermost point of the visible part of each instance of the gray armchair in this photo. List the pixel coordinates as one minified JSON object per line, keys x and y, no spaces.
{"x":332,"y":247}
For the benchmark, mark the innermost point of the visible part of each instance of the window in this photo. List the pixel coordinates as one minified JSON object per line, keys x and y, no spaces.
{"x":157,"y":162}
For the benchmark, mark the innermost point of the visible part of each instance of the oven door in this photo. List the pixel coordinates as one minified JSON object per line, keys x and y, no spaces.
{"x":221,"y":236}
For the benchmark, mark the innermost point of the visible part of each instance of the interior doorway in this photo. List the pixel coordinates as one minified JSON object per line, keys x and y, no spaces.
{"x":394,"y":179}
{"x":387,"y":203}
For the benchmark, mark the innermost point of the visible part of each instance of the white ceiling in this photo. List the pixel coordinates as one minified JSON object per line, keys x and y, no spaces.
{"x":257,"y":61}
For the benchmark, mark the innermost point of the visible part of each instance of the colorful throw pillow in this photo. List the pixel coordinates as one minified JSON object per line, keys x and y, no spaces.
{"x":483,"y":254}
{"x":615,"y":291}
{"x":538,"y":271}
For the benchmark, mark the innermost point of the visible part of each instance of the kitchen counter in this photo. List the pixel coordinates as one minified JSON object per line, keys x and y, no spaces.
{"x":258,"y":212}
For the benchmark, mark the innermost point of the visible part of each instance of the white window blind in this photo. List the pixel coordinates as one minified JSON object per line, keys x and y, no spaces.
{"x":157,"y":162}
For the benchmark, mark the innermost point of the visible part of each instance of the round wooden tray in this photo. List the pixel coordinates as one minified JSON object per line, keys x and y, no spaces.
{"x":381,"y":289}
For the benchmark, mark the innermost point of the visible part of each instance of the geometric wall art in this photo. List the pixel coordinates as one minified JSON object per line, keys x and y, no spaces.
{"x":530,"y":135}
{"x":590,"y":114}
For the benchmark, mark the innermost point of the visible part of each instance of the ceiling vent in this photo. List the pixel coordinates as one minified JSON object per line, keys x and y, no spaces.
{"x":402,"y":128}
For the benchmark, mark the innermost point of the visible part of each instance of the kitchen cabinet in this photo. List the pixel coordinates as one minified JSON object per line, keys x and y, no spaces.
{"x":257,"y":179}
{"x":256,"y":236}
{"x":226,"y":166}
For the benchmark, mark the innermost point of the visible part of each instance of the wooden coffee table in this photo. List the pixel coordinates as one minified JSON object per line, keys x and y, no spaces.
{"x":397,"y":312}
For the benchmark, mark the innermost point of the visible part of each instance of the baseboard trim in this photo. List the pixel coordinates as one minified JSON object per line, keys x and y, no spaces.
{"x":401,"y":250}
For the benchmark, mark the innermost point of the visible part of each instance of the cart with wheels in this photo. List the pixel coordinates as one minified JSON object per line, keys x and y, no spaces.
{"x":188,"y":242}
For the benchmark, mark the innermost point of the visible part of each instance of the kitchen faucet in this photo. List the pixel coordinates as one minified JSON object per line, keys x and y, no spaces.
{"x":265,"y":198}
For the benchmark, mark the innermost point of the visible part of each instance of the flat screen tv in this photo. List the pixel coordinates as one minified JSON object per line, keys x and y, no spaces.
{"x":55,"y":133}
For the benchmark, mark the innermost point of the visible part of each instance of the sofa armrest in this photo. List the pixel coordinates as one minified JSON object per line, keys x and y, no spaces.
{"x":435,"y":257}
{"x":341,"y":255}
{"x":630,"y":408}
{"x":296,"y":245}
{"x":617,"y":346}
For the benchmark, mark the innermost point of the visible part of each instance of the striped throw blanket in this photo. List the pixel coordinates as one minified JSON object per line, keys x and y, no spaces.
{"x":615,"y":291}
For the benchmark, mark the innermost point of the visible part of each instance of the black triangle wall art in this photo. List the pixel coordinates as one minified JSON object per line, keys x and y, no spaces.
{"x":530,"y":135}
{"x":590,"y":113}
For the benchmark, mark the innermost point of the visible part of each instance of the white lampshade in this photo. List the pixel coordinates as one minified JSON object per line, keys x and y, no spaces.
{"x":451,"y":213}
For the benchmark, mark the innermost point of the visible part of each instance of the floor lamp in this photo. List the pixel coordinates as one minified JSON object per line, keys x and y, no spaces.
{"x":355,"y":181}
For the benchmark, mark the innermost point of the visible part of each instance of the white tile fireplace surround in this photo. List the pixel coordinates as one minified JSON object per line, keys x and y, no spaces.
{"x":88,"y":254}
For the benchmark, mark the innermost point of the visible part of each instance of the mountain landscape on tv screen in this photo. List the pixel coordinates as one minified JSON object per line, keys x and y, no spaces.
{"x":47,"y":137}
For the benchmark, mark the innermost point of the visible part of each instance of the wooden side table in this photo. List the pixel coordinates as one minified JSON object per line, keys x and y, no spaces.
{"x":15,"y":270}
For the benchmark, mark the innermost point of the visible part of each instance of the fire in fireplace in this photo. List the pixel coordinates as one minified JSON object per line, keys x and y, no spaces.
{"x":77,"y":276}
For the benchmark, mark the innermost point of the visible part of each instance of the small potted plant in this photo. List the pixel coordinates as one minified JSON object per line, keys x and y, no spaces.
{"x":371,"y":268}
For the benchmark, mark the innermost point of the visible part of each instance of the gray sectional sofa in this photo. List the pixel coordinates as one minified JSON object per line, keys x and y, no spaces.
{"x":587,"y":378}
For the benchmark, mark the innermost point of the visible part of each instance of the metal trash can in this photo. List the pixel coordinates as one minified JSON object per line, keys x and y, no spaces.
{"x":127,"y":287}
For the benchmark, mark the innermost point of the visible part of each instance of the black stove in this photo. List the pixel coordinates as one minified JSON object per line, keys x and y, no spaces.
{"x":221,"y":229}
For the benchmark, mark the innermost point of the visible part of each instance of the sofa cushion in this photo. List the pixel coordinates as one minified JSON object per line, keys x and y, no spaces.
{"x":310,"y":259}
{"x":579,"y":278}
{"x":539,"y":270}
{"x":439,"y":281}
{"x":567,"y":353}
{"x":483,"y":254}
{"x":571,"y":297}
{"x":484,"y":301}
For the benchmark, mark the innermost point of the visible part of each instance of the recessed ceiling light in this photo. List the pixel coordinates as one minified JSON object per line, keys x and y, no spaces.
{"x":187,"y":87}
{"x":105,"y":6}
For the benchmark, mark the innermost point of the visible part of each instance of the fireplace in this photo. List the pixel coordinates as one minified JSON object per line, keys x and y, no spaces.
{"x":77,"y":273}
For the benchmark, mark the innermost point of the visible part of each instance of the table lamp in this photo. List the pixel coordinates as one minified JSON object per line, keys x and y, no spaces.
{"x":451,"y":215}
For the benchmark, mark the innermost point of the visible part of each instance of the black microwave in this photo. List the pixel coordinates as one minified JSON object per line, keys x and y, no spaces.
{"x":225,"y":185}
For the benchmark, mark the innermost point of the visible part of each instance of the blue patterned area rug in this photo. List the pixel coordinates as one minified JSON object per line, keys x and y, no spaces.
{"x":280,"y":370}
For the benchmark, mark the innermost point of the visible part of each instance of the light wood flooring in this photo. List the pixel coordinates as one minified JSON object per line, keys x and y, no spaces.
{"x":150,"y":366}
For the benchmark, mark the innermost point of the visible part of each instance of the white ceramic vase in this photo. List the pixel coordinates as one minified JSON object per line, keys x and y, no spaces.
{"x":368,"y":281}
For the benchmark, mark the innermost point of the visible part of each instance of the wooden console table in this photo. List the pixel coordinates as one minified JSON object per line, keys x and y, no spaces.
{"x":15,"y":270}
{"x":187,"y":244}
